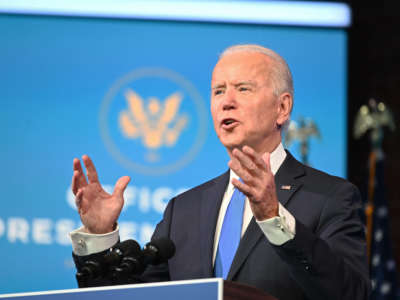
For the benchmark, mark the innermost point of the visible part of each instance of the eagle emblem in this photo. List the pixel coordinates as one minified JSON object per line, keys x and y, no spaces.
{"x":302,"y":132}
{"x":156,"y":124}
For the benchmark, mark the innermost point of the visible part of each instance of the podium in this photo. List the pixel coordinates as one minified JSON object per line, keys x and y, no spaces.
{"x":200,"y":289}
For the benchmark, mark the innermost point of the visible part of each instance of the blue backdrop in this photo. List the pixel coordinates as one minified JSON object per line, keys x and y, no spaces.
{"x":66,"y":86}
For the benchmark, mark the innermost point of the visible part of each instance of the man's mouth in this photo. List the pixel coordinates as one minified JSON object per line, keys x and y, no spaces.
{"x":228,"y":123}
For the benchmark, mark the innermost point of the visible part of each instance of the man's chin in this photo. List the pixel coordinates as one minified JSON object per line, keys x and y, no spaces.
{"x":230,"y":144}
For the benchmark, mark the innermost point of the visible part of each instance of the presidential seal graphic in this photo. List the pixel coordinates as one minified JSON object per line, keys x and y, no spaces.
{"x":153,"y":121}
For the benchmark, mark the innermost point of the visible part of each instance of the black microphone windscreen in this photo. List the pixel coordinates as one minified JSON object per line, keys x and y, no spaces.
{"x":125,"y":248}
{"x":128,"y":247}
{"x":165,"y":247}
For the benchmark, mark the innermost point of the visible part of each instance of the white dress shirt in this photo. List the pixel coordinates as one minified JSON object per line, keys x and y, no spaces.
{"x":277,"y":230}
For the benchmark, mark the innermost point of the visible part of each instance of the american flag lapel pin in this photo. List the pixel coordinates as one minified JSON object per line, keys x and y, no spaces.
{"x":286,"y":187}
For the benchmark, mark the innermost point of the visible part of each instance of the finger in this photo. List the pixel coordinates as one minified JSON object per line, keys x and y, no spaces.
{"x":243,"y":174}
{"x":241,"y":186}
{"x":256,"y":157}
{"x":75,"y":185}
{"x":81,"y":202}
{"x":245,"y":160}
{"x":80,"y":180}
{"x":90,"y":169}
{"x":78,"y":199}
{"x":121,"y":185}
{"x":266,"y":157}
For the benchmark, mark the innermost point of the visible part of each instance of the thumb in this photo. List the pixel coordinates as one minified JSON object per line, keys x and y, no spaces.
{"x":120,"y":186}
{"x":266,"y":159}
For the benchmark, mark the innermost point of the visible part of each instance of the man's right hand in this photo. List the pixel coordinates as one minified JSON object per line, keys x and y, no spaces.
{"x":99,"y":211}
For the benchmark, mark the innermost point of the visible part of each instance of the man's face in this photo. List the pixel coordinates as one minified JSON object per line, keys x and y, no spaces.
{"x":244,"y":109}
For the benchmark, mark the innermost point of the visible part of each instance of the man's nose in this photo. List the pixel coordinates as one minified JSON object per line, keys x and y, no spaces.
{"x":229,"y":100}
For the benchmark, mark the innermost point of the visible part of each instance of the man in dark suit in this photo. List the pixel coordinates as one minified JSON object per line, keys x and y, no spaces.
{"x":270,"y":221}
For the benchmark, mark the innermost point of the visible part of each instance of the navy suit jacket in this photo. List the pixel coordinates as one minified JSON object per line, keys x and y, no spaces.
{"x":325,"y":260}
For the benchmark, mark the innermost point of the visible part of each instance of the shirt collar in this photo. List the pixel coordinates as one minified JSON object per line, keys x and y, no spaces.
{"x":276,"y":159}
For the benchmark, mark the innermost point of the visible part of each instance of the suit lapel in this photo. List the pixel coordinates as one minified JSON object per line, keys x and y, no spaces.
{"x":286,"y":185}
{"x":286,"y":178}
{"x":283,"y":192}
{"x":211,"y":199}
{"x":252,"y":235}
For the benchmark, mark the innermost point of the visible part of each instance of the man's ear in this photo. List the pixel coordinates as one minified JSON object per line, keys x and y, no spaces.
{"x":285,"y":105}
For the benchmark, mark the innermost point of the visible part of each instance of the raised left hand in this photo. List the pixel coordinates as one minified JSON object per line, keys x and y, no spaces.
{"x":258,"y":181}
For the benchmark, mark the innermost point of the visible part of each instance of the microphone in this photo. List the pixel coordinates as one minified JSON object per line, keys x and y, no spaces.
{"x":119,"y":251}
{"x":158,"y":251}
{"x":154,"y":253}
{"x":100,"y":265}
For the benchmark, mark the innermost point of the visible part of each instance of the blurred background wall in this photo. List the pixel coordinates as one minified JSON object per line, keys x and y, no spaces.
{"x":372,"y":61}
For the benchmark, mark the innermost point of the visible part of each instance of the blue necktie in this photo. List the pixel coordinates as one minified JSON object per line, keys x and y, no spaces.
{"x":230,"y":234}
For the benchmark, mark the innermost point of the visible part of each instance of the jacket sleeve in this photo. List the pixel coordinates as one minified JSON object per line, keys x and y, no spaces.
{"x":330,"y":262}
{"x":103,"y":275}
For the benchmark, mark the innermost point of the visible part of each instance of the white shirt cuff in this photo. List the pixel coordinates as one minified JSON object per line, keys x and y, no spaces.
{"x":84,"y":243}
{"x":280,"y":229}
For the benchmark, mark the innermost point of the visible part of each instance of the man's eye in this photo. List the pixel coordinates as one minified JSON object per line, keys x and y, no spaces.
{"x":217,"y":92}
{"x":243,"y":89}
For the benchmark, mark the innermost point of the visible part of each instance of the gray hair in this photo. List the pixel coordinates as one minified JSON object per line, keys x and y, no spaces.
{"x":280,"y":73}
